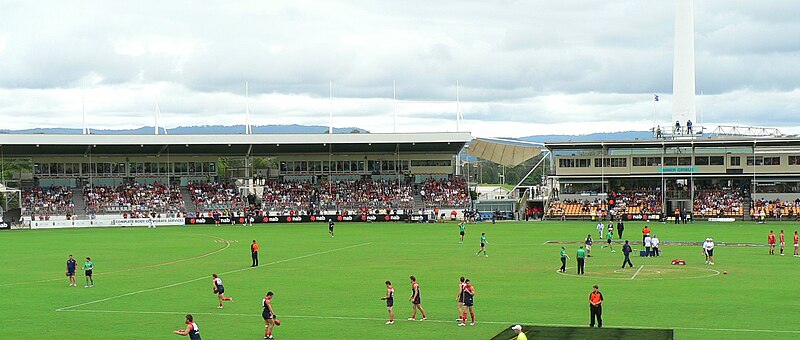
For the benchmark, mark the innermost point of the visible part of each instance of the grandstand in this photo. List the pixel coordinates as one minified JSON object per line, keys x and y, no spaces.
{"x":79,"y":176}
{"x":708,"y":177}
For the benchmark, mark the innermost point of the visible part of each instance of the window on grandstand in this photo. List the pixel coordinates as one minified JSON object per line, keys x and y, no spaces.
{"x":615,"y":162}
{"x":438,"y":162}
{"x":794,"y":160}
{"x":736,"y":161}
{"x":755,"y":160}
{"x":772,"y":160}
{"x":716,"y":160}
{"x":673,"y":161}
{"x":701,"y":160}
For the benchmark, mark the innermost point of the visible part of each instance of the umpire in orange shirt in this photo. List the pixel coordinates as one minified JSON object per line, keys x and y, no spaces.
{"x":596,"y":307}
{"x":254,"y":253}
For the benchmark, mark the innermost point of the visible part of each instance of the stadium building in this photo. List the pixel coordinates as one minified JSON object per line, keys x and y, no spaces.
{"x":701,"y":177}
{"x":181,"y":174}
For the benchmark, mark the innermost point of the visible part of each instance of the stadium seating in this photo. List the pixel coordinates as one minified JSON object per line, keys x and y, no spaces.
{"x":718,"y":202}
{"x":133,"y":197}
{"x":208,"y":196}
{"x":776,"y":208}
{"x":445,"y":193}
{"x":47,"y":201}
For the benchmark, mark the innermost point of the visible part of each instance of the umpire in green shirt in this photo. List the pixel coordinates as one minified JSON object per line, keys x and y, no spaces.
{"x":581,"y":257}
{"x":564,"y":259}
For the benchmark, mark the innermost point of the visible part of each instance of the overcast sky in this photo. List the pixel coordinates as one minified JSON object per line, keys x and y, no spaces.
{"x":524,"y":67}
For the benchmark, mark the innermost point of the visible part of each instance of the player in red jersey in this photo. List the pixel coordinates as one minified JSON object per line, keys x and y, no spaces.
{"x":771,"y":241}
{"x":462,"y":313}
{"x":389,"y":302}
{"x":268,"y":314}
{"x":415,"y":300}
{"x":796,"y":254}
{"x":783,"y":242}
{"x":469,"y":296}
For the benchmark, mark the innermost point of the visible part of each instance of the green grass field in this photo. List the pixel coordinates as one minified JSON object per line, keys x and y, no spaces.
{"x":146,"y":280}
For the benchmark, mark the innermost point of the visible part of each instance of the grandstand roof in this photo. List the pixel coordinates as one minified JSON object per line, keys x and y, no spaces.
{"x":717,"y":141}
{"x":258,"y":144}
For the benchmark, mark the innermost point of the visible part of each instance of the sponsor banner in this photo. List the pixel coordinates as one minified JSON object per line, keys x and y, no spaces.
{"x":642,"y":217}
{"x":308,"y":218}
{"x":71,"y":224}
{"x":722,"y":219}
{"x":4,"y":225}
{"x":143,"y":222}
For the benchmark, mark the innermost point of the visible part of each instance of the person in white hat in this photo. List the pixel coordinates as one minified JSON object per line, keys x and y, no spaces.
{"x":520,"y":335}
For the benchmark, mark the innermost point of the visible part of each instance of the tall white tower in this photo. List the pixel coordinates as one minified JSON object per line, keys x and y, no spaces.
{"x":683,"y":77}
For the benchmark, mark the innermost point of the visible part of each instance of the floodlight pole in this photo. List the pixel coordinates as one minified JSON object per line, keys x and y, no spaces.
{"x":247,"y":128}
{"x":394,"y":104}
{"x":155,"y":115}
{"x":83,"y":111}
{"x":330,"y":107}
{"x":458,"y":108}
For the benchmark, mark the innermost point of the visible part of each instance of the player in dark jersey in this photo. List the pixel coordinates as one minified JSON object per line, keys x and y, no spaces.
{"x":269,"y":315}
{"x":415,"y":300}
{"x":389,"y":302}
{"x":191,"y":329}
{"x":71,"y":267}
{"x":462,"y":313}
{"x":469,"y":295}
{"x":330,"y":227}
{"x":216,"y":216}
{"x":219,"y":289}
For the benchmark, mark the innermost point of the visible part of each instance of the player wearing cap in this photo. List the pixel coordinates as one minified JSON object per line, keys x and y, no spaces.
{"x":389,"y":302}
{"x":415,"y":300}
{"x":771,"y":242}
{"x":520,"y":334}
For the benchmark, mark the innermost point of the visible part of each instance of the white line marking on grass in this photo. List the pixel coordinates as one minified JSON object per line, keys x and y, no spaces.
{"x":322,"y":317}
{"x":637,"y":272}
{"x":206,"y":277}
{"x":227,"y":244}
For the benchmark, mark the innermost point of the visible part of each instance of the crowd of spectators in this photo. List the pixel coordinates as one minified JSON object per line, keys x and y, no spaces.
{"x":133,"y":197}
{"x":213,"y":196}
{"x":567,"y":207}
{"x":776,"y":208}
{"x":356,"y":195}
{"x":716,"y":201}
{"x":54,"y":200}
{"x":288,"y":197}
{"x":451,"y":192}
{"x":638,"y":202}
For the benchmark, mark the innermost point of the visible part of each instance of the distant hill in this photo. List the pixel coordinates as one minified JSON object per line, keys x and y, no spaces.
{"x":192,"y":130}
{"x":625,"y":135}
